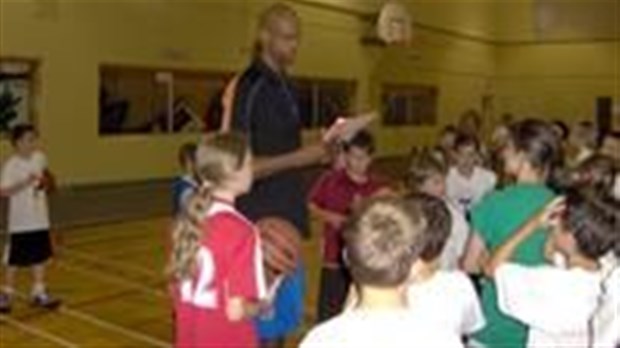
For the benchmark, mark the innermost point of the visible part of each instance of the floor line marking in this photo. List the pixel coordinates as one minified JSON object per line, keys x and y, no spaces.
{"x":115,"y":279}
{"x":104,"y":324}
{"x":116,"y":328}
{"x":136,"y":249}
{"x":38,"y":332}
{"x":104,"y":298}
{"x":116,"y":264}
{"x":107,"y":239}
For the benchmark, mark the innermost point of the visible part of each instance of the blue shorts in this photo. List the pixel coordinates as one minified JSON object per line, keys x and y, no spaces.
{"x":288,"y":309}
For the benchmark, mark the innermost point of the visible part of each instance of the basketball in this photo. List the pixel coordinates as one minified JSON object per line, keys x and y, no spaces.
{"x":47,"y":182}
{"x":280,"y":242}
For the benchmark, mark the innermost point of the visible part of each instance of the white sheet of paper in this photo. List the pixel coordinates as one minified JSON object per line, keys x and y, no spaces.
{"x":345,"y":128}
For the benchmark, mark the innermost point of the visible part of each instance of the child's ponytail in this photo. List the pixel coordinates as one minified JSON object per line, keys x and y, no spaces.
{"x":187,"y":234}
{"x":216,"y":161}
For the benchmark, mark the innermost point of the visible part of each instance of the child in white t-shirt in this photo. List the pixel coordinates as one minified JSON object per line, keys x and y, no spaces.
{"x":572,"y":306}
{"x":467,"y":182}
{"x":24,"y":181}
{"x":427,"y":174}
{"x":446,"y":296}
{"x":383,"y":241}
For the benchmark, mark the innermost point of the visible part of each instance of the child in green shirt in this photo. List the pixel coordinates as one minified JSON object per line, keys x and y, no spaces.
{"x":528,"y":157}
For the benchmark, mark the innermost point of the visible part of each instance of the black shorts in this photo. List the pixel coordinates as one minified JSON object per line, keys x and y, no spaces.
{"x":28,"y":248}
{"x":333,"y":291}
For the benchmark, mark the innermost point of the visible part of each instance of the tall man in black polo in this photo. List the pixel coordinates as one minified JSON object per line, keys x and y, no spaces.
{"x":265,"y":108}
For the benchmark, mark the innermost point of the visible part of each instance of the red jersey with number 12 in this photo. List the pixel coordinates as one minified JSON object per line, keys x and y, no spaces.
{"x":229,"y":264}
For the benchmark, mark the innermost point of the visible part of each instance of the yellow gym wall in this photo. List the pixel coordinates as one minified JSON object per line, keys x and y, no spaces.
{"x":461,"y":69}
{"x":557,"y":69}
{"x":557,"y":81}
{"x":70,"y":39}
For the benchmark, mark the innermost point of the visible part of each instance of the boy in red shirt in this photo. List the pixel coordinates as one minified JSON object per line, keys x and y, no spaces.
{"x":216,"y":260}
{"x":337,"y":193}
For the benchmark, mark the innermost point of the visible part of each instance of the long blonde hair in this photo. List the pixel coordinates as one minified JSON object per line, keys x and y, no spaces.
{"x":216,"y":160}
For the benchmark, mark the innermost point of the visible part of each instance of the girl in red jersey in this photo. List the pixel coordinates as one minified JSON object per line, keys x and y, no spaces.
{"x":216,"y":262}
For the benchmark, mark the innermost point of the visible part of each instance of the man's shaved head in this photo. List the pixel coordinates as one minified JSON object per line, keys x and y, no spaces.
{"x":274,"y":13}
{"x":278,"y":34}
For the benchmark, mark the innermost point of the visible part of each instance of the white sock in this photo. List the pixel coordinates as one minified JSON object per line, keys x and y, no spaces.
{"x":38,"y":289}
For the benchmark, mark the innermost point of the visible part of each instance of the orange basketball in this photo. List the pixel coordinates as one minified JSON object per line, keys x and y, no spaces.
{"x":47,"y":182}
{"x":280,"y":242}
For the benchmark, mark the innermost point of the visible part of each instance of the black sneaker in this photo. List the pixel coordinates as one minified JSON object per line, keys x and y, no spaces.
{"x":46,"y":301}
{"x":5,"y":304}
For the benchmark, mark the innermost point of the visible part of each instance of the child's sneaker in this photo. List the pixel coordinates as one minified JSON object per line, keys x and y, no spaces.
{"x":5,"y":304}
{"x":46,"y":301}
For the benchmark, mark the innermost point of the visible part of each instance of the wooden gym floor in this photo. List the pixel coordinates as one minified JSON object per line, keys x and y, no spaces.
{"x":110,"y":277}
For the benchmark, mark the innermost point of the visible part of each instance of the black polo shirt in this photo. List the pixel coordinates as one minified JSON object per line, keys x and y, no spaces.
{"x":265,"y":108}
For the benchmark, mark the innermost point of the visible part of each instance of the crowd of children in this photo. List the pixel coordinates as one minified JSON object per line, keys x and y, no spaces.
{"x":452,"y":258}
{"x":546,"y":267}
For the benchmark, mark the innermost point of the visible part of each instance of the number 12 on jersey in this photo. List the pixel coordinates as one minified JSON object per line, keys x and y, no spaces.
{"x":200,"y":291}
